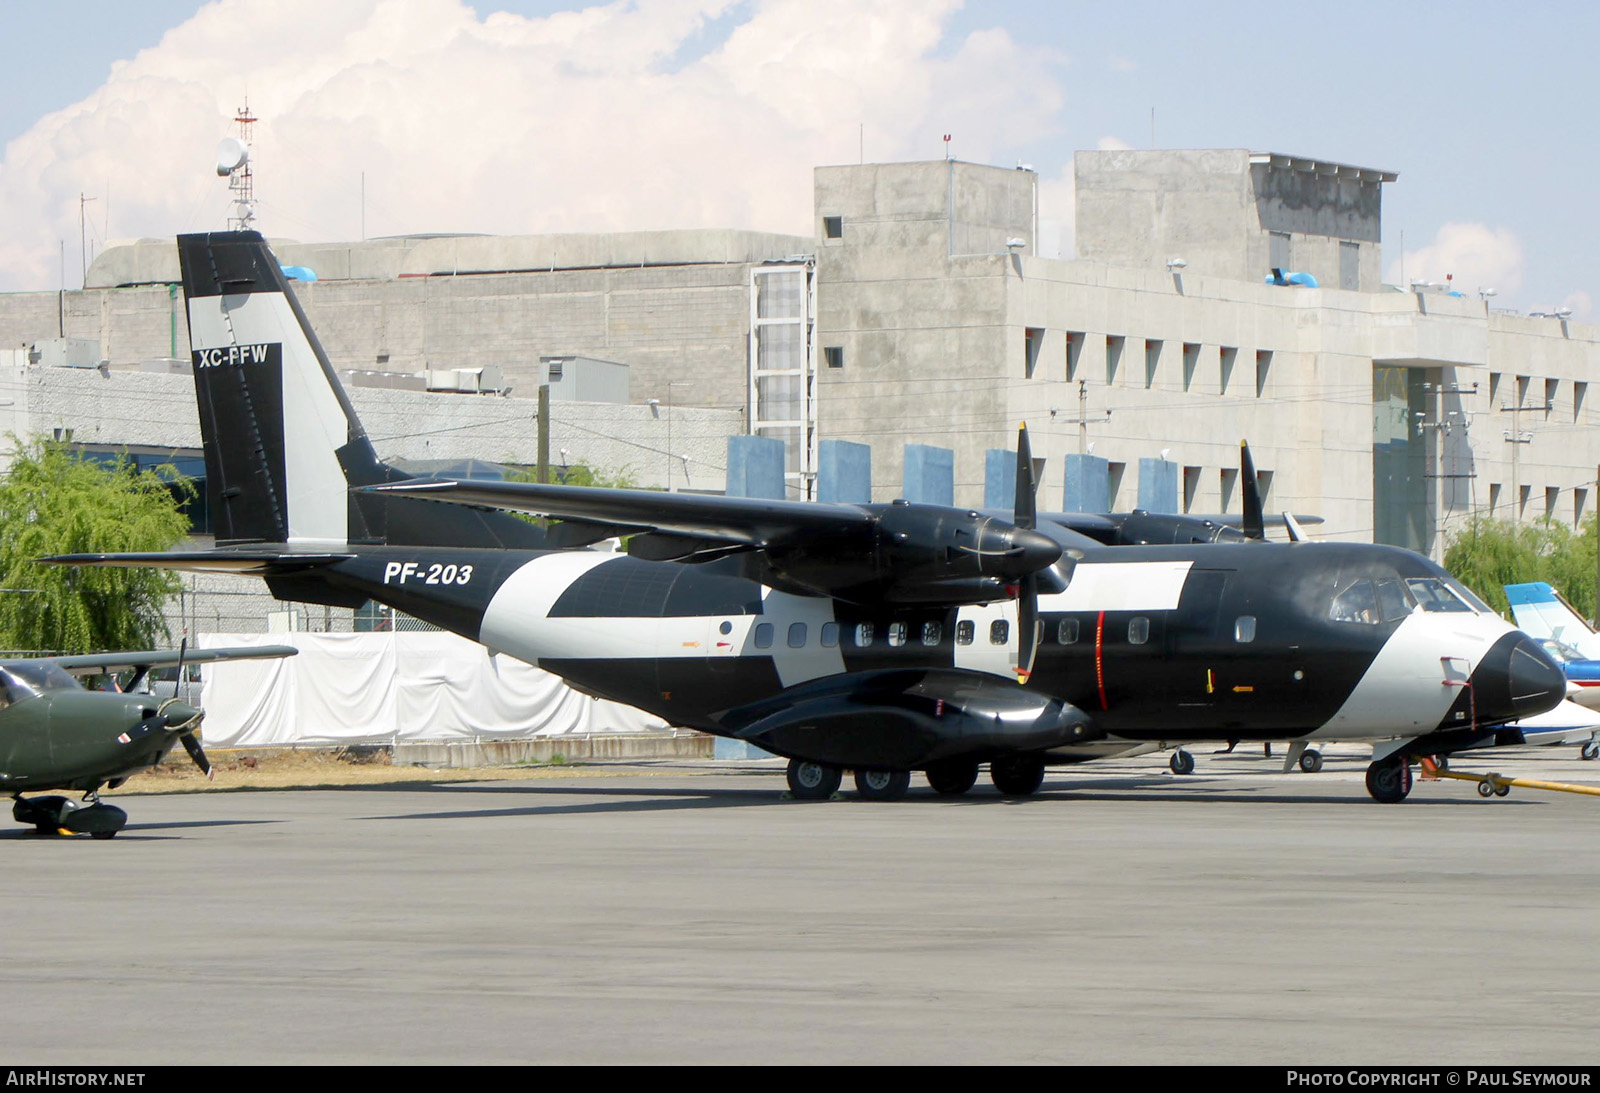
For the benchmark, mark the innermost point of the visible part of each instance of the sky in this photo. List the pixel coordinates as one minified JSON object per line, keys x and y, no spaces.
{"x":387,"y":117}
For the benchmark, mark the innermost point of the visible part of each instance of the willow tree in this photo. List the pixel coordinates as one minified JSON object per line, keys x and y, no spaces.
{"x":1488,"y":554}
{"x":53,"y":501}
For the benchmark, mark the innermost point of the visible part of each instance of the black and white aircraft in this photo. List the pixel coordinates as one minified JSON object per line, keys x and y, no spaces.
{"x":880,"y":638}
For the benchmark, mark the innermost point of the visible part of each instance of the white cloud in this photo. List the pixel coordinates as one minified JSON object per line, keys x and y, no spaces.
{"x":594,"y":120}
{"x":1473,"y":255}
{"x":1112,"y":144}
{"x":1058,"y":210}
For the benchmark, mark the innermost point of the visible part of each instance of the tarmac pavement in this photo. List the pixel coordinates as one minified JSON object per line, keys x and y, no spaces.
{"x":683,"y":912}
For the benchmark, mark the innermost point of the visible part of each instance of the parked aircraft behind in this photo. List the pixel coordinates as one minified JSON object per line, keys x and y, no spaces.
{"x":54,"y":734}
{"x":880,"y":638}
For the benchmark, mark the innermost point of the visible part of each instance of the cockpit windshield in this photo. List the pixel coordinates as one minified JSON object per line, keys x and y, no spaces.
{"x":19,"y":681}
{"x":1433,"y":594}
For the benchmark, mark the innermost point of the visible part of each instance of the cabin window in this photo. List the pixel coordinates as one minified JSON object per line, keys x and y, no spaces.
{"x":863,"y":634}
{"x":999,"y":632}
{"x":1138,"y":630}
{"x":725,"y":628}
{"x":1394,"y":601}
{"x":1067,"y":631}
{"x":932,"y":632}
{"x":1357,"y":603}
{"x":897,"y":634}
{"x":797,"y":635}
{"x":830,"y":635}
{"x":1434,"y":595}
{"x":764,"y":632}
{"x":1244,"y":629}
{"x":965,"y":632}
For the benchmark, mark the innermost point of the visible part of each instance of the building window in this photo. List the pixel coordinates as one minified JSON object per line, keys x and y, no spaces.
{"x":833,"y":227}
{"x":1032,"y":342}
{"x":833,"y":356}
{"x":1263,"y":369}
{"x":1226,"y":356}
{"x":1074,"y":351}
{"x":1551,"y":389}
{"x":1191,"y":363}
{"x":1579,"y":390}
{"x":1114,"y":343}
{"x":1494,"y":497}
{"x":1152,"y":360}
{"x":1191,"y":487}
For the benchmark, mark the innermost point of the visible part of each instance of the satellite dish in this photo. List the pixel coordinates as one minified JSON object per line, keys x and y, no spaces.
{"x":232,"y":153}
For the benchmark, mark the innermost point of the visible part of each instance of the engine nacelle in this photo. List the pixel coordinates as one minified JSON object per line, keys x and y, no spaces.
{"x":916,"y":554}
{"x":1140,"y":527}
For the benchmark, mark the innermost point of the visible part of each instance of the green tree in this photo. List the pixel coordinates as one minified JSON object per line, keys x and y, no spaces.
{"x":53,"y":501}
{"x":1489,"y":554}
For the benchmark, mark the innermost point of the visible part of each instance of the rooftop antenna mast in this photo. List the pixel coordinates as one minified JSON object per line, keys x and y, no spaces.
{"x":233,"y":163}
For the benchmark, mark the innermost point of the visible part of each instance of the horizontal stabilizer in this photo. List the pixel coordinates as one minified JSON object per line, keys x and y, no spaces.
{"x":96,"y":664}
{"x":259,"y":563}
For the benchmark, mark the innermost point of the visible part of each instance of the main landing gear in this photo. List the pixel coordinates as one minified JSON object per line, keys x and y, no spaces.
{"x":1181,"y":762}
{"x":1389,"y":780}
{"x":1013,"y":776}
{"x":59,"y":815}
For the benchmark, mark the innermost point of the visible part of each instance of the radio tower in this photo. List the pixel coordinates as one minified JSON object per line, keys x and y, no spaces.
{"x":240,"y":180}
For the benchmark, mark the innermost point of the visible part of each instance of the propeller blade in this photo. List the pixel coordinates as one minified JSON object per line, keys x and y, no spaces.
{"x":1023,"y":512}
{"x":1254,"y":526}
{"x":1027,"y":626}
{"x":1025,"y":515}
{"x":197,"y":753}
{"x":1297,"y":534}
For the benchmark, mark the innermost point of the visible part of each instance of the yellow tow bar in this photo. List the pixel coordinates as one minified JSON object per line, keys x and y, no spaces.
{"x":1498,"y":785}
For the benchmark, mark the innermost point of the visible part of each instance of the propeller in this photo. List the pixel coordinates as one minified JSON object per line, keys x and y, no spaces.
{"x":1024,"y":515}
{"x":185,"y":719}
{"x":1254,"y":526}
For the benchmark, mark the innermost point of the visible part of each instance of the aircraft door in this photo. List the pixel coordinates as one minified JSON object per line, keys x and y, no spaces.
{"x":1195,"y":648}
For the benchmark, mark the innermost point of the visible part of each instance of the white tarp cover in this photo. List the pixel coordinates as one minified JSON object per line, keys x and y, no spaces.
{"x":404,"y":686}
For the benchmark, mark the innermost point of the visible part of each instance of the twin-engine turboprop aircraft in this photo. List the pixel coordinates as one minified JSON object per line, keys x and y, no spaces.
{"x":881,"y":638}
{"x":54,"y":734}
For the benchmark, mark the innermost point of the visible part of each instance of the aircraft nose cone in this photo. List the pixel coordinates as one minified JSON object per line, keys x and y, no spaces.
{"x":1032,"y":551}
{"x":176,"y":714}
{"x":1518,"y":678}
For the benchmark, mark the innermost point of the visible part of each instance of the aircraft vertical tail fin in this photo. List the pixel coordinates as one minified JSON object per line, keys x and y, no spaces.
{"x":283,"y":445}
{"x":1542,"y":612}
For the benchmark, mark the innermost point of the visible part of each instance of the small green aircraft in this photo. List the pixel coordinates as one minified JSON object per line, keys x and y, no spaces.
{"x":56,"y":734}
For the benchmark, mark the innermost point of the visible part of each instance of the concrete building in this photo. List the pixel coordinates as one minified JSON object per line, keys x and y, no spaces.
{"x":920,"y":313}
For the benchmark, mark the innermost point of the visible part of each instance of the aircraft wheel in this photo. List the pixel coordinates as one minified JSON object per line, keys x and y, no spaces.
{"x":1017,"y":775}
{"x":1485,"y":789}
{"x":1311,"y":760}
{"x":952,"y":777}
{"x":1591,"y":750}
{"x":43,"y":813}
{"x":102,"y":834}
{"x":1389,"y":780}
{"x":883,"y":785}
{"x":1181,"y":762}
{"x":810,"y":781}
{"x":1502,"y":791}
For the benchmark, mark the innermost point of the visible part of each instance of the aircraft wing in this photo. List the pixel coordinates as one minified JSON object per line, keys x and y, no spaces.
{"x":97,"y":664}
{"x":750,"y":521}
{"x":900,"y":552}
